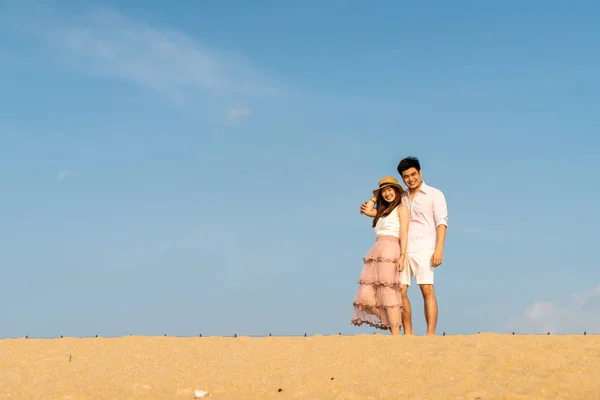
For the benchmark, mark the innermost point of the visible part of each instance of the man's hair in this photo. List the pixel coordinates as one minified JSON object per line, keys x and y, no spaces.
{"x":408,"y":163}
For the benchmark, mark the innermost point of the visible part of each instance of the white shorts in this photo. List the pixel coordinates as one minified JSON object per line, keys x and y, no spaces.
{"x":418,"y":264}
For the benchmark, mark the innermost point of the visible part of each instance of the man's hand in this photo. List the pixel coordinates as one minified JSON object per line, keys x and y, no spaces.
{"x":436,"y":258}
{"x":400,"y":264}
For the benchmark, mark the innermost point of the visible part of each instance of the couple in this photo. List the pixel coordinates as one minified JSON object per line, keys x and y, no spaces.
{"x":410,"y":227}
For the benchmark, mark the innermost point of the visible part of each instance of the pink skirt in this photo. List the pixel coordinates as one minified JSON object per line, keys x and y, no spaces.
{"x":378,"y":301}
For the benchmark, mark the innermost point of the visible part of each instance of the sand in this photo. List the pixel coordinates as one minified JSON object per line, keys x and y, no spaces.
{"x":482,"y":366}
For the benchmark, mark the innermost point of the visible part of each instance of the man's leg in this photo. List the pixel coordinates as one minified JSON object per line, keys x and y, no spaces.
{"x":406,"y":312}
{"x":424,"y":274}
{"x":431,"y":308}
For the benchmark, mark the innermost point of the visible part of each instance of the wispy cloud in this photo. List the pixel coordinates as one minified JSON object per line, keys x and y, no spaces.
{"x":236,"y":114}
{"x":67,"y":173}
{"x":105,"y":43}
{"x":580,"y":313}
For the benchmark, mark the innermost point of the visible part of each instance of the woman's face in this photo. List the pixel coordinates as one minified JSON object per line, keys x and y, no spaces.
{"x":388,"y":193}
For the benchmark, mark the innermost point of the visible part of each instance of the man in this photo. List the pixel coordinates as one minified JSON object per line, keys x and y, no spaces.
{"x":426,"y":236}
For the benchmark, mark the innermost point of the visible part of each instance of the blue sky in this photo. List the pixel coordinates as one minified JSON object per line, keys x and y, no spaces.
{"x":198,"y":167}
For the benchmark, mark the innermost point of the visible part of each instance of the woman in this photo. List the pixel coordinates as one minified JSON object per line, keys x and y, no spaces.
{"x":378,"y":301}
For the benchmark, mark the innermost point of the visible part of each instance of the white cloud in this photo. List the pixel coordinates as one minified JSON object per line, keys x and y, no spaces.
{"x":67,"y":173}
{"x":108,"y":44}
{"x":238,"y":113}
{"x":581,"y":313}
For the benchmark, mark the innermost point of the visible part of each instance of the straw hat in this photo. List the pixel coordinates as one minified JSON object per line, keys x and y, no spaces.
{"x":387,"y":181}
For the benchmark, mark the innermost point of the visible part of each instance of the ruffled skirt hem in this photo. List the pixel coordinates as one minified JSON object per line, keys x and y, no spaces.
{"x":378,"y":301}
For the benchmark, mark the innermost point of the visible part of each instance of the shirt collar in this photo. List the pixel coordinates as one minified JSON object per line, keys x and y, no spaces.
{"x":424,"y":188}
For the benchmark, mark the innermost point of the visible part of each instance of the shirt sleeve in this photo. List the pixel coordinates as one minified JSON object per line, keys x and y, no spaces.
{"x":440,"y":209}
{"x":404,"y":199}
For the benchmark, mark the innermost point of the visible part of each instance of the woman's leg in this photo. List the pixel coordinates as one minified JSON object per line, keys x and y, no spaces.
{"x":376,"y":312}
{"x":394,"y":316}
{"x":371,"y":310}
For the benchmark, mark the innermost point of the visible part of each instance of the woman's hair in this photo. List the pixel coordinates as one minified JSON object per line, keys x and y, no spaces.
{"x":384,"y":208}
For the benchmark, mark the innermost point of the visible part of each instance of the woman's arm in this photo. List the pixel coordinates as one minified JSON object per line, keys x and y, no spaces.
{"x":404,"y":216}
{"x":367,"y":208}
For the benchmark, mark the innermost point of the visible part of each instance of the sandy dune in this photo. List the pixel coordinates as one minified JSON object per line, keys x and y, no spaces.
{"x":484,"y":366}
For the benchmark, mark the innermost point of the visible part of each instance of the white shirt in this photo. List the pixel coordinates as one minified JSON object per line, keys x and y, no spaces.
{"x":388,"y":225}
{"x":428,"y":210}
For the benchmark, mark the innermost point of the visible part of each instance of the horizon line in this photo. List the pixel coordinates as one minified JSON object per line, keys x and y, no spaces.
{"x":306,"y":335}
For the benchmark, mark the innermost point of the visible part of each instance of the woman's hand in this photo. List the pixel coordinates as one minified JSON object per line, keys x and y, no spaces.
{"x":364,"y":208}
{"x":367,"y":208}
{"x":400,"y":264}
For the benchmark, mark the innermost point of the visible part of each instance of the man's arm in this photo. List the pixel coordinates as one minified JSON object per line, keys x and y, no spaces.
{"x":441,"y":237}
{"x":440,"y":216}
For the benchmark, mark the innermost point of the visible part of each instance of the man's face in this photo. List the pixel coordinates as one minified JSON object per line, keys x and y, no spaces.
{"x":411,"y":178}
